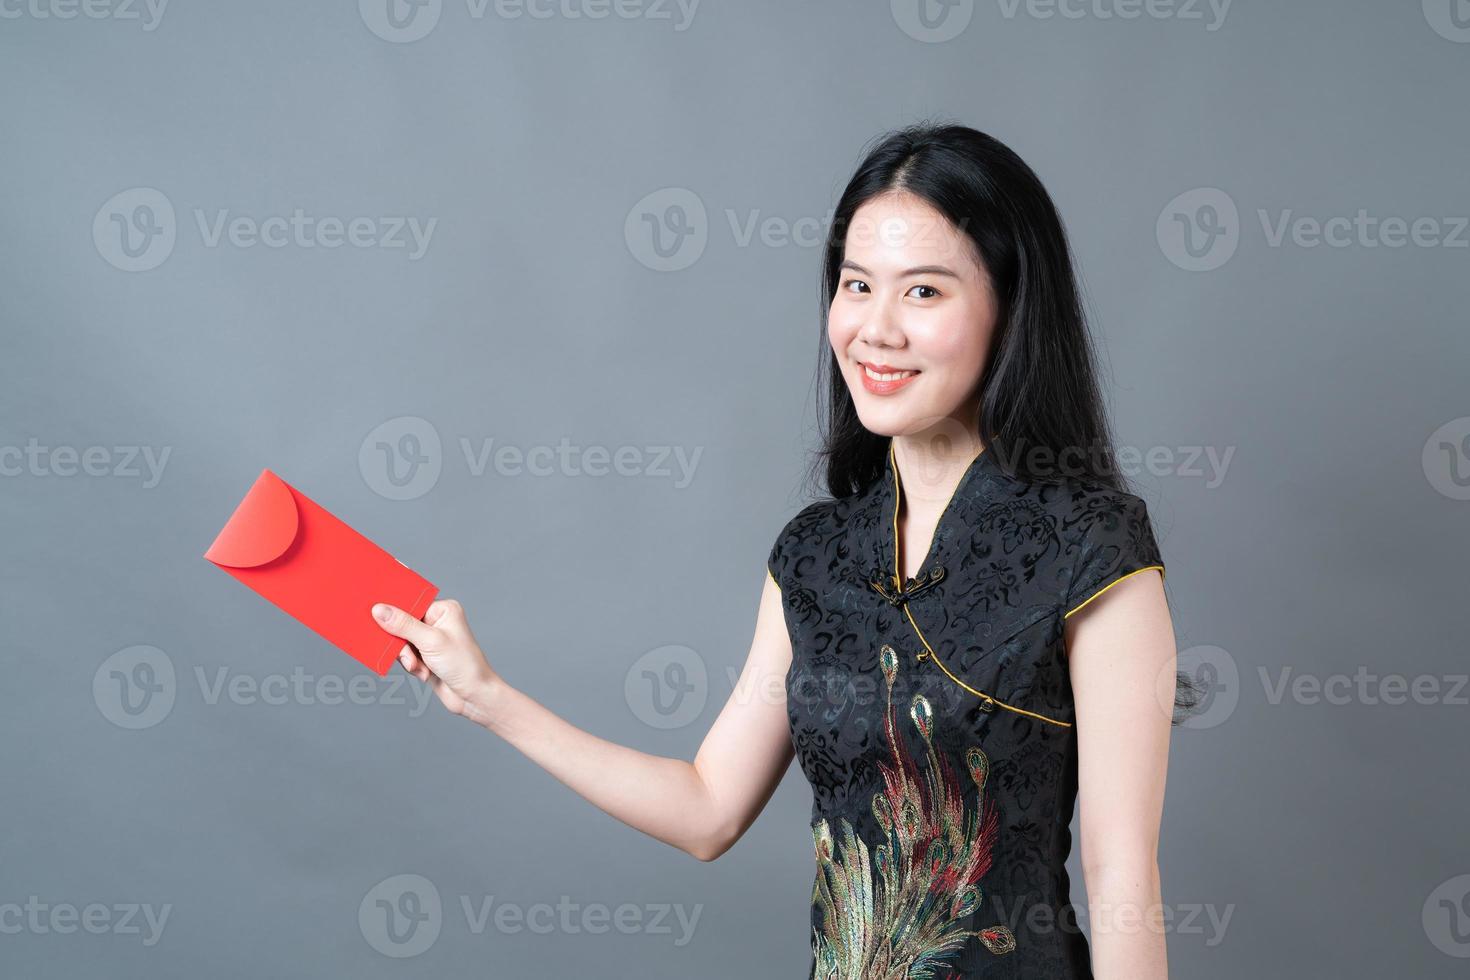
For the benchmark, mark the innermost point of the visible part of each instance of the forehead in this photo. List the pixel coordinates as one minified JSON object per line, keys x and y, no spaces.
{"x":898,"y":230}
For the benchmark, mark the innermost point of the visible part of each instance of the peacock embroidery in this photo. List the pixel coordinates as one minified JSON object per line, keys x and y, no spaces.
{"x":894,"y":913}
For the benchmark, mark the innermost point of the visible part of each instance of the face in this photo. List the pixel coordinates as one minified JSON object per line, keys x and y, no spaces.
{"x":912,"y":318}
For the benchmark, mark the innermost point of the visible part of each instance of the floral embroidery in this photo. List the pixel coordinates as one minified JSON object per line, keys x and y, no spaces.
{"x":894,"y":914}
{"x":1018,"y":558}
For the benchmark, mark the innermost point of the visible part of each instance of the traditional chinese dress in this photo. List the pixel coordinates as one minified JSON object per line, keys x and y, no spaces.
{"x":934,"y":719}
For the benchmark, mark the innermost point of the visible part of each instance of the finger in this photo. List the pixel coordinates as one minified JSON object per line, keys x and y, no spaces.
{"x":414,"y":665}
{"x":421,"y":668}
{"x":431,"y":680}
{"x":411,"y":662}
{"x":401,"y":624}
{"x":444,"y":614}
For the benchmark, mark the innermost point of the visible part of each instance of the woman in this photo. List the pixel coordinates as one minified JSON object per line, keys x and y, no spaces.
{"x":968,"y":630}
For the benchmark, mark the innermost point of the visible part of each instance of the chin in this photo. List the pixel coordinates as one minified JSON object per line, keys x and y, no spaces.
{"x":882,"y":420}
{"x":893,"y":421}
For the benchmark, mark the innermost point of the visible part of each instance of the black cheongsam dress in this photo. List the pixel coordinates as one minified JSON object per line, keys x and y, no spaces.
{"x":934,"y":720}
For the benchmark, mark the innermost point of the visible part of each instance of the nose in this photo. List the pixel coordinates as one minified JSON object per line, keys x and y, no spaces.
{"x":881,"y":328}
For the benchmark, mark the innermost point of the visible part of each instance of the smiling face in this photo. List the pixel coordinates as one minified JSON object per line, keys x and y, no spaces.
{"x":912,"y":318}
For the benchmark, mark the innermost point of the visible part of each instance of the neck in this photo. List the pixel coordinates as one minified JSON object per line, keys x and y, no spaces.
{"x":930,"y":467}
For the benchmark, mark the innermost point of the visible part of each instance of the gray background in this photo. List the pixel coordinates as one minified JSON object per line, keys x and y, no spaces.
{"x":1331,"y":834}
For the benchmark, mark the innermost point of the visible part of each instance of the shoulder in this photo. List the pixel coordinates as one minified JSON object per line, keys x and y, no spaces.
{"x":813,"y":521}
{"x":818,"y":513}
{"x":809,"y":539}
{"x":1090,"y":509}
{"x":1067,"y":539}
{"x":1069,"y":510}
{"x":1104,"y":534}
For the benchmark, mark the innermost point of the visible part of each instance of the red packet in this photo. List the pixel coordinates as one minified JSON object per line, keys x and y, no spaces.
{"x":314,"y":567}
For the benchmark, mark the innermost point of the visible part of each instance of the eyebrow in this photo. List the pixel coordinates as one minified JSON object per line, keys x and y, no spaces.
{"x":918,"y":270}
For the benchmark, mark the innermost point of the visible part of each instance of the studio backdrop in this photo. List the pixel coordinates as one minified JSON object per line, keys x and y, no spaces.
{"x":528,"y":292}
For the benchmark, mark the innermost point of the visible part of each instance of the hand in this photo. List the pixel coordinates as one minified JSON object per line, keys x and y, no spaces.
{"x":442,"y":653}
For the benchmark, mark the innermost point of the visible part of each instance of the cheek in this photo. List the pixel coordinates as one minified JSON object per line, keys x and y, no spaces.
{"x":842,"y":328}
{"x":951,"y":339}
{"x":957,"y":340}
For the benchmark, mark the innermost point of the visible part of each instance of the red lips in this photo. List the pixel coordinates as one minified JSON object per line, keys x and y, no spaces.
{"x":884,"y":387}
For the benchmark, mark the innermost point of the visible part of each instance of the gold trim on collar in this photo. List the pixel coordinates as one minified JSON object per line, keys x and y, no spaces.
{"x":987,"y":702}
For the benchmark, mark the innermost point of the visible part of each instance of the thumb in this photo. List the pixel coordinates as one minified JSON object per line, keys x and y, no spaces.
{"x":400,"y":624}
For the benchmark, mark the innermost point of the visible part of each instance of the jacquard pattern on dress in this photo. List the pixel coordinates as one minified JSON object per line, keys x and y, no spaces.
{"x":934,"y":718}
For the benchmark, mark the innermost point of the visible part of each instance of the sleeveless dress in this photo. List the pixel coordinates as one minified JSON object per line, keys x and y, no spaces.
{"x":934,"y":719}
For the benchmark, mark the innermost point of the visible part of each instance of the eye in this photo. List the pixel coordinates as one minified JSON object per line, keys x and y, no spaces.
{"x":931,"y":289}
{"x":846,"y":283}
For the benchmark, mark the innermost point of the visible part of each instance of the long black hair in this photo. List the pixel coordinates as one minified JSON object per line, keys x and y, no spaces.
{"x":1039,"y":390}
{"x":1041,"y":409}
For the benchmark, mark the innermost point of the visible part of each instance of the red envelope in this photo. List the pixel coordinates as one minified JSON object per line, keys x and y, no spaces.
{"x":313,"y":566}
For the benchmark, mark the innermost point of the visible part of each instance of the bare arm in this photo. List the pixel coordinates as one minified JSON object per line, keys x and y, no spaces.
{"x":702,"y":807}
{"x":1121,"y":657}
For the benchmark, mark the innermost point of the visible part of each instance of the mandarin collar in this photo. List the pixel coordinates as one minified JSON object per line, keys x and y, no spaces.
{"x":980,"y":482}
